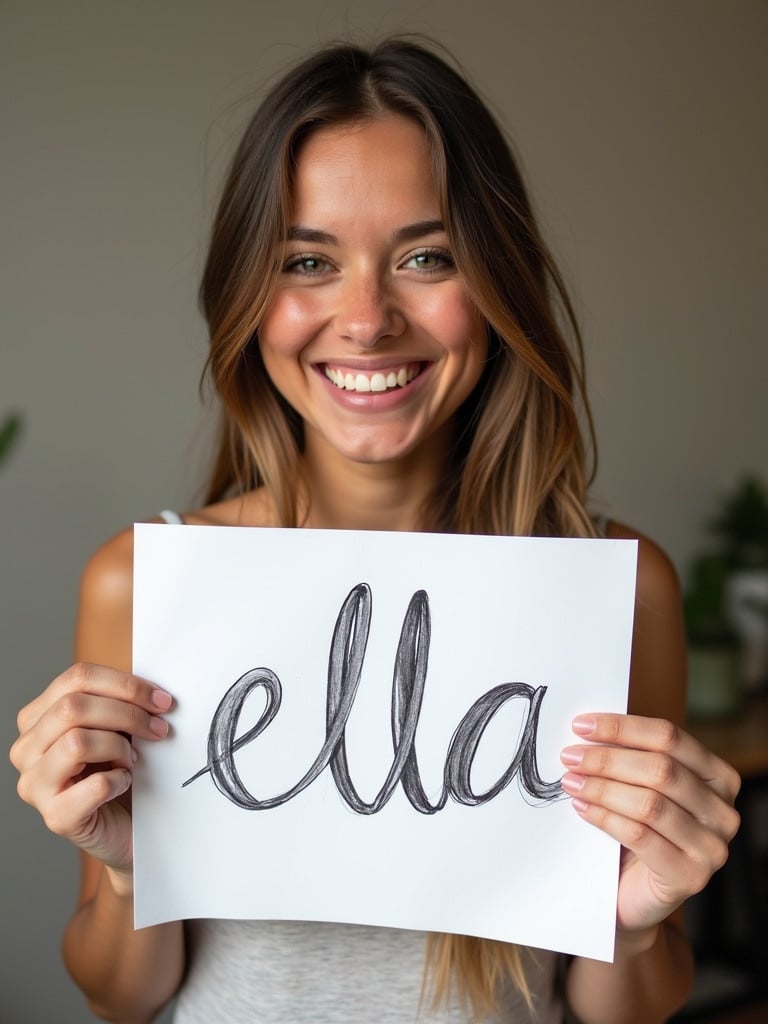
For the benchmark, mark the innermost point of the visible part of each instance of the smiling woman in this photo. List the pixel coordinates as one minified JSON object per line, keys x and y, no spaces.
{"x":379,"y":296}
{"x":395,"y":159}
{"x":394,"y":350}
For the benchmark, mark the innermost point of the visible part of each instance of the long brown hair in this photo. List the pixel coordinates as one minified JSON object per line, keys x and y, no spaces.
{"x":519,"y":464}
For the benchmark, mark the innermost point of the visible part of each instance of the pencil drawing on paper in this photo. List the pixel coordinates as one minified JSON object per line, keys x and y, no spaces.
{"x":345,"y":665}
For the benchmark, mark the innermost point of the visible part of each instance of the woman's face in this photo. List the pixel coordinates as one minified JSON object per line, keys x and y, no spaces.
{"x":371,"y":335}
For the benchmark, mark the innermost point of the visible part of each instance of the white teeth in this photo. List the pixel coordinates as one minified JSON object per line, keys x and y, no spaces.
{"x":378,"y":381}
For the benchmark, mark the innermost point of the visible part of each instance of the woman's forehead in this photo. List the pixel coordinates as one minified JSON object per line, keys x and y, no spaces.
{"x":382,"y":166}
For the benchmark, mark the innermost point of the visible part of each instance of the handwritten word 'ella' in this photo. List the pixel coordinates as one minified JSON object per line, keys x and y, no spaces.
{"x":345,"y":665}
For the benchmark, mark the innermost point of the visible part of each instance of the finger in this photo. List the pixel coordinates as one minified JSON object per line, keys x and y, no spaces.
{"x":67,"y":760}
{"x":656,"y":811}
{"x":73,"y":813}
{"x":100,"y":681}
{"x":656,"y":775}
{"x":661,"y":736}
{"x":78,"y":710}
{"x":678,"y":873}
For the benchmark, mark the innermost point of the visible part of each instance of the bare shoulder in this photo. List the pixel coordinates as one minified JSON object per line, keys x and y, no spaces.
{"x":658,"y":584}
{"x":107,"y":580}
{"x":657,"y":678}
{"x":105,"y":610}
{"x":108,"y":574}
{"x":251,"y":509}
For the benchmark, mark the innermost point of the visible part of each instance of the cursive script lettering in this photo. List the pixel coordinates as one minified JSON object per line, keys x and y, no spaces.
{"x":345,"y":665}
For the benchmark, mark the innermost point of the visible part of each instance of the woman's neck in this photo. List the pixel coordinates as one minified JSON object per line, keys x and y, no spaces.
{"x":345,"y":495}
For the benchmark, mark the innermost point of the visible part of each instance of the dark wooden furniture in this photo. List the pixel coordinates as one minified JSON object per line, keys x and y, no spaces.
{"x":729,"y":920}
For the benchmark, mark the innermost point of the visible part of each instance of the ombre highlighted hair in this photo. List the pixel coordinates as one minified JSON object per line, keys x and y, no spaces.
{"x":520,"y":464}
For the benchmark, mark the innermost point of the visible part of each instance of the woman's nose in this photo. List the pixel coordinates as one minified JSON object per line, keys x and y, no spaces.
{"x":367,"y":311}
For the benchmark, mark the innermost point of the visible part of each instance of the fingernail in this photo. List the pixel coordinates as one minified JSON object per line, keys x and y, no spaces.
{"x":584,"y":725}
{"x":571,"y":755}
{"x":134,"y":755}
{"x":161,"y":699}
{"x":158,"y":726}
{"x":572,"y":783}
{"x":579,"y":805}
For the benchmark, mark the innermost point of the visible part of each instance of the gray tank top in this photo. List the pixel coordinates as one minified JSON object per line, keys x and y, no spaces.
{"x":300,"y":972}
{"x":295,"y":972}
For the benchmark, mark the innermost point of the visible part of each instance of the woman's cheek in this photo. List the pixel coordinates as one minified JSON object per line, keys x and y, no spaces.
{"x":292,"y":316}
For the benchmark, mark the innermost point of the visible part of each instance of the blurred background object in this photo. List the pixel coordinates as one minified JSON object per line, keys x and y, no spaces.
{"x":10,"y":428}
{"x":726,"y":605}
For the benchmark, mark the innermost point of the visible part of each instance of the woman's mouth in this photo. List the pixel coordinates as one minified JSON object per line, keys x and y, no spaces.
{"x":372,"y":380}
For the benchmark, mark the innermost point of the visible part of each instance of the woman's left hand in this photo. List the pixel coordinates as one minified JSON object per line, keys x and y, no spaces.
{"x":664,"y":797}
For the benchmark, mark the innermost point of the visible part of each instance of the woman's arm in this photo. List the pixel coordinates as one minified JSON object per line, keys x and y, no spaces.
{"x":75,"y":760}
{"x":667,"y":800}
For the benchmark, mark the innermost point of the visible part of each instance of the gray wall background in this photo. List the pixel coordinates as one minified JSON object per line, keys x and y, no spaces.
{"x":642,"y":131}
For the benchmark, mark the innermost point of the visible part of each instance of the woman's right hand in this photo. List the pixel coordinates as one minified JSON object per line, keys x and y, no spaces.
{"x":75,"y":757}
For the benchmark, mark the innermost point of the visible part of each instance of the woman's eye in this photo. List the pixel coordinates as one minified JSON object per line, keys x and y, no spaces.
{"x":308,"y":266}
{"x":430,"y":261}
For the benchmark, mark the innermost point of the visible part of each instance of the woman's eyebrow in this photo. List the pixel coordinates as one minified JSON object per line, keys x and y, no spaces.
{"x":405,"y":234}
{"x":422,"y":227}
{"x":299,"y":234}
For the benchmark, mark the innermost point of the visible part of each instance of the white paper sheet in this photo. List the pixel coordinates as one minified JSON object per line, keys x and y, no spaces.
{"x":211,"y":604}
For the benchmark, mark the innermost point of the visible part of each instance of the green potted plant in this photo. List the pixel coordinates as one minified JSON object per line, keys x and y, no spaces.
{"x":9,"y":432}
{"x":742,"y":529}
{"x":714,"y":684}
{"x":742,"y":525}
